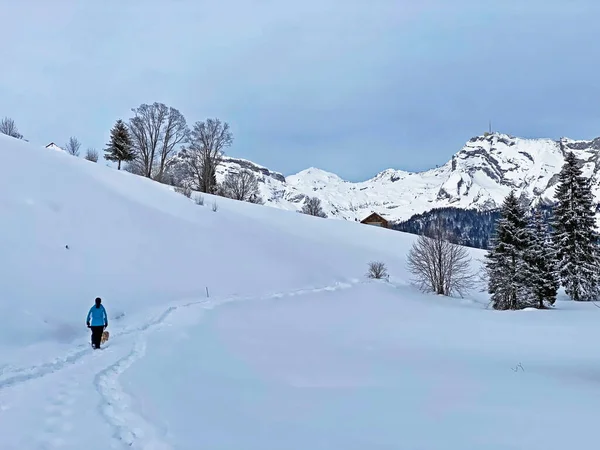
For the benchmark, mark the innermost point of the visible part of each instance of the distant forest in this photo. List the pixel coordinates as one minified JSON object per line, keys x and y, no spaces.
{"x":472,"y":228}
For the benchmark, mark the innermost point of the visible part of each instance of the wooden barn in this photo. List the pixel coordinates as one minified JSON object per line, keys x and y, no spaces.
{"x":375,"y":220}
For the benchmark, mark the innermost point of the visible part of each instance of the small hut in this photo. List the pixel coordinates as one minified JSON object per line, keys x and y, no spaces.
{"x":376,"y":220}
{"x":53,"y":146}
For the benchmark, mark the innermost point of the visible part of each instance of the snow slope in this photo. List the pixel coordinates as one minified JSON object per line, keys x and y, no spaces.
{"x":293,"y":349}
{"x":479,"y":176}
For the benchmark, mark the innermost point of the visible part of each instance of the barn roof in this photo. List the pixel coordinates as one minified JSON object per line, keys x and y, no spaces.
{"x":374,"y":215}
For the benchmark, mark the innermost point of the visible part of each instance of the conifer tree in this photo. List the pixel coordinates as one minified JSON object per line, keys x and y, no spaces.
{"x":120,"y":147}
{"x":506,"y":268}
{"x":540,"y":259}
{"x":574,"y":233}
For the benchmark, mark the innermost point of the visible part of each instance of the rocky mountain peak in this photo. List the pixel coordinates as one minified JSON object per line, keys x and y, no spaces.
{"x":478,"y":176}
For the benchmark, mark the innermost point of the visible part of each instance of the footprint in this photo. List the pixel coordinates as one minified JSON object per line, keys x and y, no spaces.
{"x":57,"y":425}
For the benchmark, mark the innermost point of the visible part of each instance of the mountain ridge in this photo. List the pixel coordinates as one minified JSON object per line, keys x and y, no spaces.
{"x":478,"y":177}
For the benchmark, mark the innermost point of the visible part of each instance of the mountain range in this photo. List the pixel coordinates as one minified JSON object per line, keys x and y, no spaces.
{"x":477,"y":177}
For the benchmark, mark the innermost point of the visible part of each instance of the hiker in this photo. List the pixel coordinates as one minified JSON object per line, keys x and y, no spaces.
{"x":99,"y":320}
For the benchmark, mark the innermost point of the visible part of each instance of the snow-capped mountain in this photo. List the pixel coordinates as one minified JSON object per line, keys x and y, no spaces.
{"x":479,"y":176}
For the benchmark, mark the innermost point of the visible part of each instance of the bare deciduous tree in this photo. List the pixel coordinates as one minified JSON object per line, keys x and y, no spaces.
{"x":176,"y":133}
{"x":377,"y":270}
{"x":91,"y":155}
{"x":312,"y":207}
{"x":439,"y":265}
{"x":156,"y":130}
{"x":8,"y":127}
{"x":205,"y":152}
{"x":72,"y":147}
{"x":242,"y":185}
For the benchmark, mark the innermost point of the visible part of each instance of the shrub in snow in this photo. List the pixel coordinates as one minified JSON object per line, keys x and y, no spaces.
{"x":91,"y":155}
{"x":199,"y":199}
{"x":377,"y":270}
{"x":8,"y":127}
{"x":312,"y":207}
{"x":72,"y":147}
{"x":184,"y":191}
{"x":215,"y":207}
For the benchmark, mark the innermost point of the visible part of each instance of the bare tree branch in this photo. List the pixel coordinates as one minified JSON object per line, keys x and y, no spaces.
{"x":242,"y":185}
{"x":156,"y":130}
{"x":184,"y":191}
{"x":175,"y":133}
{"x":312,"y":207}
{"x":439,"y":265}
{"x":205,"y":152}
{"x":72,"y":147}
{"x":91,"y":155}
{"x":377,"y":270}
{"x":8,"y":127}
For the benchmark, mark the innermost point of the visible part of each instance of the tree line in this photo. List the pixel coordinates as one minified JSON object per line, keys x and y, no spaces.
{"x":533,"y":251}
{"x":157,"y":143}
{"x":469,"y":227}
{"x":529,"y":260}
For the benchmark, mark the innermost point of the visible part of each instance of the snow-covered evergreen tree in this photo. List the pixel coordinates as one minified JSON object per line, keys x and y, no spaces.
{"x":574,"y":233}
{"x":120,"y":147}
{"x":506,"y":268}
{"x":540,"y":259}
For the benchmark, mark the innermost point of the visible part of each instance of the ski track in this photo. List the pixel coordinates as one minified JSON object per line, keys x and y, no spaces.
{"x":21,"y":375}
{"x":130,"y":429}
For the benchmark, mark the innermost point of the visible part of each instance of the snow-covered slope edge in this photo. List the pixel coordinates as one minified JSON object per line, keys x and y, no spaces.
{"x":294,"y":349}
{"x":479,"y":176}
{"x":72,"y":230}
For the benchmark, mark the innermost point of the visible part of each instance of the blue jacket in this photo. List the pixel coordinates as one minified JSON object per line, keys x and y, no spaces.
{"x":98,"y":316}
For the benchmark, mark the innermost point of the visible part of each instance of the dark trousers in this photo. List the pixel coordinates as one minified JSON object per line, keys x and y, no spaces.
{"x":96,"y":335}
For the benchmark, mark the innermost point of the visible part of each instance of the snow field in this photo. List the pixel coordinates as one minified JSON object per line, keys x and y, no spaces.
{"x":293,"y":348}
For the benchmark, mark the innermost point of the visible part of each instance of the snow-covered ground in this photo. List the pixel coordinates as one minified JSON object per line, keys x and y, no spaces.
{"x":293,"y":348}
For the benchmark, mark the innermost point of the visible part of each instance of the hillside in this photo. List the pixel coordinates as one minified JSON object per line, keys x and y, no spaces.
{"x":293,"y":347}
{"x":478,"y":176}
{"x":139,"y":243}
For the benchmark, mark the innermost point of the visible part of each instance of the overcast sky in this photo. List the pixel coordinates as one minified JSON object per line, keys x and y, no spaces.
{"x":349,"y":86}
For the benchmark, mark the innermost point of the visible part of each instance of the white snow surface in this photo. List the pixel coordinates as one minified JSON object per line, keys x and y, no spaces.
{"x":53,"y":146}
{"x":293,"y":348}
{"x":479,"y":176}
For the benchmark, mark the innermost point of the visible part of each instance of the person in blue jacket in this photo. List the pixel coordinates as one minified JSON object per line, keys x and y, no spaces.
{"x":99,"y":321}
